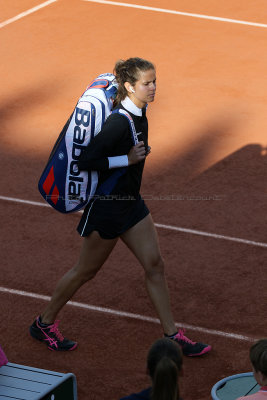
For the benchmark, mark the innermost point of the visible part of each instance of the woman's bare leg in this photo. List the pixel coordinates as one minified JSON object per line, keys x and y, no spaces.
{"x":94,"y":253}
{"x":142,"y":240}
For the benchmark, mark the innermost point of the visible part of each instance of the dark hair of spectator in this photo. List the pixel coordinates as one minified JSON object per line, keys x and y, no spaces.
{"x":258,"y":356}
{"x":164,"y":362}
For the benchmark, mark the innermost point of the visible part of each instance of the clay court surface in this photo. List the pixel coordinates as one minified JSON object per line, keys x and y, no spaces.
{"x":205,"y":183}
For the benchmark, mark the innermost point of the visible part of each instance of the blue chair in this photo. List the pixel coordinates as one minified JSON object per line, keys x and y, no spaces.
{"x":28,"y":383}
{"x":235,"y":386}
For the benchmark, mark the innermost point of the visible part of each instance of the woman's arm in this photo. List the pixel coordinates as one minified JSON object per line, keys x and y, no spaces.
{"x":96,"y":155}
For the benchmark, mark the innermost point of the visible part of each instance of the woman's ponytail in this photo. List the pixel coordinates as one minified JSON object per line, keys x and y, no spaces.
{"x":165,"y":380}
{"x":164,"y":364}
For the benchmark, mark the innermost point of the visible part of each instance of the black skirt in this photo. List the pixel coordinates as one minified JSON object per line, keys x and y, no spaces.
{"x":111,"y":217}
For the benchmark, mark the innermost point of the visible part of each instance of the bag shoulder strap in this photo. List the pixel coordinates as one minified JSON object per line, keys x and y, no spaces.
{"x":131,"y":123}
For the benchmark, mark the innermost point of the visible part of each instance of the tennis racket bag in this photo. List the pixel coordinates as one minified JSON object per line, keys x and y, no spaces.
{"x":62,"y":184}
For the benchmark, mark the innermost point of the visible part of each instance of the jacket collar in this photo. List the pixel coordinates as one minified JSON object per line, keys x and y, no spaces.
{"x":130,"y":106}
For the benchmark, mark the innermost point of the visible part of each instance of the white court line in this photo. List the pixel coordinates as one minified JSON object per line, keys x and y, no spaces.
{"x":32,"y":203}
{"x":25,"y":13}
{"x":129,"y":315}
{"x":186,"y":14}
{"x":169,"y":227}
{"x":212,"y":235}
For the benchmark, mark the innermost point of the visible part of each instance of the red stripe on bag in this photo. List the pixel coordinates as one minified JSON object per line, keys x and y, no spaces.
{"x":98,"y":84}
{"x":55,"y":195}
{"x":47,"y":185}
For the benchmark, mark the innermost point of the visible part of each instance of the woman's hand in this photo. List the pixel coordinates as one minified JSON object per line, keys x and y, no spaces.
{"x":148,"y":150}
{"x":137,"y":153}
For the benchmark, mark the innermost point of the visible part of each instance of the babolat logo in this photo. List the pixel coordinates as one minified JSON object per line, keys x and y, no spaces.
{"x":81,"y":122}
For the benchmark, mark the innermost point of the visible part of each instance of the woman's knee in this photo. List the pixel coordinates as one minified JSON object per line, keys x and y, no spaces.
{"x":154,"y":267}
{"x":84,"y":273}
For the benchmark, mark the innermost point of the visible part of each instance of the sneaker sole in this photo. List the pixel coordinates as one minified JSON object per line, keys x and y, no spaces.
{"x":72,"y":348}
{"x":204,"y":351}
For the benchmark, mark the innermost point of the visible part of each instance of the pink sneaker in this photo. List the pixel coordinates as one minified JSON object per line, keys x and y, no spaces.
{"x":190,"y":348}
{"x":51,"y":336}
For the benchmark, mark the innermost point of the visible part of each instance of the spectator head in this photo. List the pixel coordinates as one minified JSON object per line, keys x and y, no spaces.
{"x":164,"y":365}
{"x":258,"y":358}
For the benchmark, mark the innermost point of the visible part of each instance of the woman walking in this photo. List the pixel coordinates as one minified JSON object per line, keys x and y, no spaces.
{"x":117,"y":210}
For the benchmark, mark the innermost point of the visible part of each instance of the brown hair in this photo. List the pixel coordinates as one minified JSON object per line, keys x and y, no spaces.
{"x":164,"y":362}
{"x":128,"y":71}
{"x":258,"y":356}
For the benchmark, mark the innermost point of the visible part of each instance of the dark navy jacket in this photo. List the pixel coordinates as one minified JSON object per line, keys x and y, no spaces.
{"x":115,"y":139}
{"x":144,"y":395}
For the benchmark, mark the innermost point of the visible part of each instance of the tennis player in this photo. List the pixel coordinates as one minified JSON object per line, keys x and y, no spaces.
{"x":118,"y":210}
